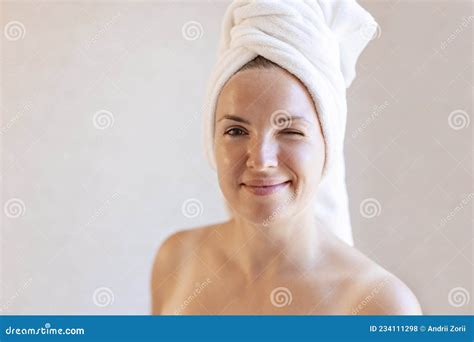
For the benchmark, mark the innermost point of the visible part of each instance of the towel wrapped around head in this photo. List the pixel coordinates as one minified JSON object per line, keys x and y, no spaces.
{"x":319,"y":42}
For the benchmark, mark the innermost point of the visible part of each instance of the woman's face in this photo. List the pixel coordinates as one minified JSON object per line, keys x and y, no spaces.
{"x":268,"y":143}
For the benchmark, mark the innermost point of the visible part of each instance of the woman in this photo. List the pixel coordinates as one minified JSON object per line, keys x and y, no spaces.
{"x":273,"y":144}
{"x":256,"y":265}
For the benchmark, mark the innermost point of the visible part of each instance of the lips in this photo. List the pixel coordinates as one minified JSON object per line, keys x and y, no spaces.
{"x":264,"y":182}
{"x":268,"y":187}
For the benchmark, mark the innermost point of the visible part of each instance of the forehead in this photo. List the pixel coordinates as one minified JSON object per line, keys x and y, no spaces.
{"x":257,"y":93}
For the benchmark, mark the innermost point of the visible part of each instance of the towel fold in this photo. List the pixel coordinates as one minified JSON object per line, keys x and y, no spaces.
{"x":317,"y":41}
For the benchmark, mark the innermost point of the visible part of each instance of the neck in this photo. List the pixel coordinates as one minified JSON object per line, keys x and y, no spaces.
{"x":276,"y":247}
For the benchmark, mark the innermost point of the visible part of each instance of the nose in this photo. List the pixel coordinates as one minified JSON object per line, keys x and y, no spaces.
{"x":262,"y":154}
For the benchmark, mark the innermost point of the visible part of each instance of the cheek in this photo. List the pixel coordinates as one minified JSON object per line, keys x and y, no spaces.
{"x":305,"y":156}
{"x":227,"y":154}
{"x":306,"y":161}
{"x":228,"y":161}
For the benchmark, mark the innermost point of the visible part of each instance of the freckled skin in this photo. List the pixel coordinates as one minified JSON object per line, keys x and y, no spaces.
{"x":238,"y":266}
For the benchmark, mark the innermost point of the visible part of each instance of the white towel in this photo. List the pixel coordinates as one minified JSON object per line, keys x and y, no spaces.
{"x":318,"y":42}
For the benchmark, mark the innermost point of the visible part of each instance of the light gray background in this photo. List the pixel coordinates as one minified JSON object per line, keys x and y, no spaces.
{"x":91,"y":206}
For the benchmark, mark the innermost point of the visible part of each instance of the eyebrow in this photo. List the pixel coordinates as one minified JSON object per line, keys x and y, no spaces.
{"x":234,"y":118}
{"x":239,"y":119}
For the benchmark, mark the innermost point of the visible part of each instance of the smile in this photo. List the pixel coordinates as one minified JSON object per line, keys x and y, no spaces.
{"x":266,"y":190}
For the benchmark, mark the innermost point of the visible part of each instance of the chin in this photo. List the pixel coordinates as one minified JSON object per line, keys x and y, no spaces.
{"x":261,"y":209}
{"x":261,"y":213}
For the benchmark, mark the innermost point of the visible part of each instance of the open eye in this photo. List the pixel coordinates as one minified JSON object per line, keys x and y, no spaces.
{"x":235,"y":131}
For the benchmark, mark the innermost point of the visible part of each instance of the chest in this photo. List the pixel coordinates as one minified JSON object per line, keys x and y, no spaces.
{"x":228,"y":294}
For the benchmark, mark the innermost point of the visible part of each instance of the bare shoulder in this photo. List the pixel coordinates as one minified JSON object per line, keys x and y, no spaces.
{"x":180,"y":243}
{"x":173,"y":251}
{"x":372,"y":290}
{"x":384,"y":294}
{"x":376,"y":291}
